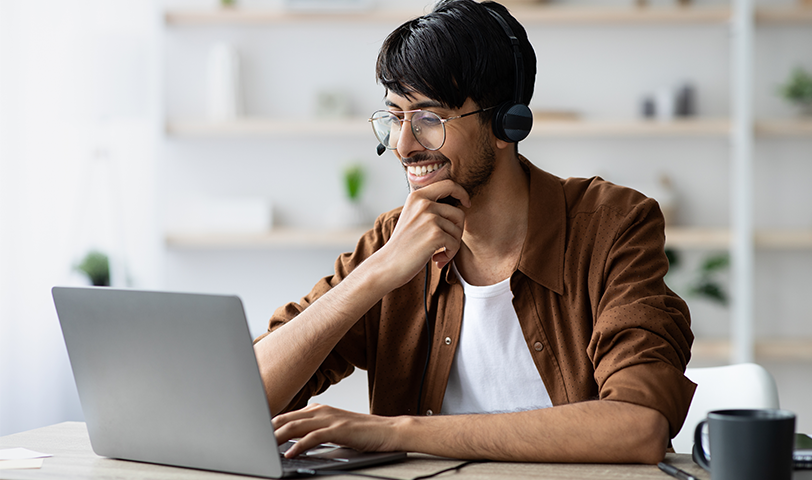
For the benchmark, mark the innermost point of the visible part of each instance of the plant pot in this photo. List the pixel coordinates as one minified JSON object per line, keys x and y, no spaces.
{"x":347,"y":214}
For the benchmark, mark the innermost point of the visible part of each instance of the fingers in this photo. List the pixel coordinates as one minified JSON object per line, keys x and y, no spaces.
{"x":317,"y":424}
{"x":307,"y":424}
{"x":450,"y":193}
{"x":442,"y":257}
{"x":437,"y":205}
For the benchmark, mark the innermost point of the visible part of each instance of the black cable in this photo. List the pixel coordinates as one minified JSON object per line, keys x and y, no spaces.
{"x":305,"y":471}
{"x":325,"y":473}
{"x":428,"y":336}
{"x":458,"y":467}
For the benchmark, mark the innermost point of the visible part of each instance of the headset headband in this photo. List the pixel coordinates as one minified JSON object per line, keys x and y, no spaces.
{"x":517,"y":56}
{"x":513,"y":120}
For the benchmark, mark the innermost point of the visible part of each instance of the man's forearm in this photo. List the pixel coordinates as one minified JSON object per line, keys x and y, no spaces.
{"x":425,"y":231}
{"x":588,"y":432}
{"x":291,"y":354}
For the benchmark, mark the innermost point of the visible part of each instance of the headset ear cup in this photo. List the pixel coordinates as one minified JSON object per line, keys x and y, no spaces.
{"x":512,"y":122}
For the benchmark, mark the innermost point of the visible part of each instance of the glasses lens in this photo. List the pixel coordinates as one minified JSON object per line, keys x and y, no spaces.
{"x":387,"y":128}
{"x":428,"y":129}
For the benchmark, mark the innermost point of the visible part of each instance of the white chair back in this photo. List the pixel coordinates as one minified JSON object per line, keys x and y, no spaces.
{"x":744,"y":385}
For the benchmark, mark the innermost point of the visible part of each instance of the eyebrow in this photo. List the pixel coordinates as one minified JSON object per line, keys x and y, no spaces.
{"x":417,"y":106}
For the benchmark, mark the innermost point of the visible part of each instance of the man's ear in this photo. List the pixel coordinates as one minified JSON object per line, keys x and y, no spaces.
{"x":501,"y":144}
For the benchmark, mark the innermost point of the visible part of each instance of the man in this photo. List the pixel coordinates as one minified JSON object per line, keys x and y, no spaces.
{"x":552,"y":334}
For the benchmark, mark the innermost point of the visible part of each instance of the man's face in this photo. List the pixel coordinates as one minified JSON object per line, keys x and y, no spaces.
{"x":466,"y":157}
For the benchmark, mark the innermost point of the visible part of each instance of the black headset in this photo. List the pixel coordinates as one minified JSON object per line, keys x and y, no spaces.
{"x":513,"y":120}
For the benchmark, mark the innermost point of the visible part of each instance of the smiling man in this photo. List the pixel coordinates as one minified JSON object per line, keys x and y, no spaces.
{"x":502,"y":313}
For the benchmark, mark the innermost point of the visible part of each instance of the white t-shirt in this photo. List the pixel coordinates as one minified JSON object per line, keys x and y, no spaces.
{"x":493,"y":370}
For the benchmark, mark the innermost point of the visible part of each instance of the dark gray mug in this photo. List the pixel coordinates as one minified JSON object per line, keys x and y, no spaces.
{"x":747,"y":444}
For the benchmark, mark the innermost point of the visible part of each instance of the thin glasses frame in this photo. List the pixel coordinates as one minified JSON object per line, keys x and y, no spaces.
{"x":417,"y":135}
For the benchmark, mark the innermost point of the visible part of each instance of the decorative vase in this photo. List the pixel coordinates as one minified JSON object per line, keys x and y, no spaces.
{"x":224,"y":83}
{"x":348,"y":214}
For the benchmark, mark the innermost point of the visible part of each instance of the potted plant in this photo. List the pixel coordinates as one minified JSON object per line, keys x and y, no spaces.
{"x":798,"y":90}
{"x":709,"y":284}
{"x":354,"y":180}
{"x":96,"y":266}
{"x":349,"y":213}
{"x":708,"y":280}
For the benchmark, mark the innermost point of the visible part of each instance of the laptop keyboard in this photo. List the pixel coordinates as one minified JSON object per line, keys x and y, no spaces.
{"x":308,"y":463}
{"x":305,"y":462}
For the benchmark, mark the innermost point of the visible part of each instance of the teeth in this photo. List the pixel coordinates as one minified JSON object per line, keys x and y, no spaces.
{"x":422,"y":170}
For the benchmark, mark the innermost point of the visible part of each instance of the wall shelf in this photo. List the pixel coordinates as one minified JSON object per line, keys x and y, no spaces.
{"x":678,"y":237}
{"x":248,"y":17}
{"x":702,"y":238}
{"x":719,"y":238}
{"x":697,"y":238}
{"x":542,"y":128}
{"x":791,"y":127}
{"x":258,"y":126}
{"x":774,"y":349}
{"x":557,"y":14}
{"x":276,"y":238}
{"x":783,"y":15}
{"x":542,"y":14}
{"x":784,"y":239}
{"x":631,"y":128}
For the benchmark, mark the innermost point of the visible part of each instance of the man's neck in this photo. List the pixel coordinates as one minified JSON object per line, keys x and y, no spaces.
{"x":495,"y":226}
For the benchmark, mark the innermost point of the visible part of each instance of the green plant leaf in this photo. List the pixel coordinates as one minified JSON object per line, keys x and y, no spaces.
{"x":716,"y":263}
{"x":673,"y":257}
{"x":711,"y":290}
{"x":96,"y":266}
{"x":798,"y":87}
{"x":354,"y":181}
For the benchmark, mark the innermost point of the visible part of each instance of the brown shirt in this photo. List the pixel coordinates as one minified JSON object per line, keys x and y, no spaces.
{"x":597,"y":317}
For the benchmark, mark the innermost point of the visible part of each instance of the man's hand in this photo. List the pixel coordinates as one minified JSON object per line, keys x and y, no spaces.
{"x":426,"y":230}
{"x":317,"y":424}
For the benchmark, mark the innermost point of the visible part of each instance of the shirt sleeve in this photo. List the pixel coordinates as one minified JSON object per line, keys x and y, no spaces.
{"x":350,"y":352}
{"x":641,"y":342}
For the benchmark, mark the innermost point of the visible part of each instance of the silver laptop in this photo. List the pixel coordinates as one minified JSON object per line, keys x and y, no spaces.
{"x":171,"y":378}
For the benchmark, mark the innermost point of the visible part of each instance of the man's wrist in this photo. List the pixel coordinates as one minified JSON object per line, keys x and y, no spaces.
{"x":405,"y":434}
{"x":378,"y":273}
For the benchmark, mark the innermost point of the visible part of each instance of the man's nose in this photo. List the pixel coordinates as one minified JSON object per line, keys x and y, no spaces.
{"x":407,"y":142}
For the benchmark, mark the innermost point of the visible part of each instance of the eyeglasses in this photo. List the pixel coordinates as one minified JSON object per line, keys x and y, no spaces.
{"x":427,"y":127}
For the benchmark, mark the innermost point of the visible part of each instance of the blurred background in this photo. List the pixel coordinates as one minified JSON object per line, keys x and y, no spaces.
{"x":208,"y":146}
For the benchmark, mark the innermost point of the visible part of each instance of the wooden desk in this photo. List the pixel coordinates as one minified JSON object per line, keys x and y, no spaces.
{"x":73,"y":458}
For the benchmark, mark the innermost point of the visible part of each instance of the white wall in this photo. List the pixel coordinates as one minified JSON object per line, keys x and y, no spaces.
{"x":81,"y":77}
{"x":76,"y":172}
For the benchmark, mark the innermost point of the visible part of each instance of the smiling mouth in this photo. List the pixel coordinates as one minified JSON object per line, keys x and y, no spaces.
{"x":423,"y":170}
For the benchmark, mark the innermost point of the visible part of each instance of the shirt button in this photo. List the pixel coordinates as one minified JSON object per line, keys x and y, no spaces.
{"x":538,"y":346}
{"x":429,"y":413}
{"x":448,"y":340}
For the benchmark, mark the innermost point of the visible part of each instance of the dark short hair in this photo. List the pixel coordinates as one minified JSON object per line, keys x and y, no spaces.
{"x":457,"y":51}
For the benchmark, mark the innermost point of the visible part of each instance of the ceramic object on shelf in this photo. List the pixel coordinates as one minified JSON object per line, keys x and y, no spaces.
{"x":224,"y":101}
{"x":221,"y":215}
{"x":346,"y":214}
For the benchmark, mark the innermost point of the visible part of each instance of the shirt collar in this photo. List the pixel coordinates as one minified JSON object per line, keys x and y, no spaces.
{"x":542,"y":258}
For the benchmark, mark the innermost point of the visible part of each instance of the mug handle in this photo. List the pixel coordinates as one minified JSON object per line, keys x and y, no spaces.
{"x":698,"y":452}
